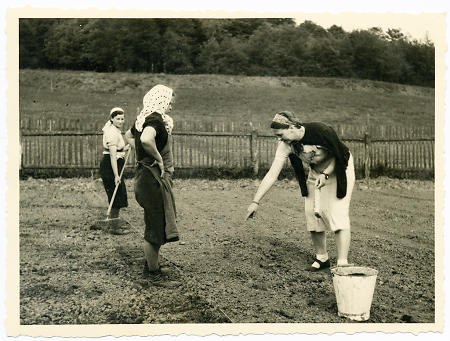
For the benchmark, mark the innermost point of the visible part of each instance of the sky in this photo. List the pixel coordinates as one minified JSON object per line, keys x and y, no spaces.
{"x":412,"y":17}
{"x":415,"y":26}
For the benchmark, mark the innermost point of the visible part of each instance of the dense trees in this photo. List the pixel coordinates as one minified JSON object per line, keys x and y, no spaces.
{"x":252,"y":46}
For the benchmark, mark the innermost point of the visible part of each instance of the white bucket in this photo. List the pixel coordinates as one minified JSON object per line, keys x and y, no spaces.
{"x":354,"y":287}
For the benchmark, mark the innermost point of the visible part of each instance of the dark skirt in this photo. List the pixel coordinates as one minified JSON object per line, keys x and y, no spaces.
{"x":149,"y":196}
{"x":107,"y":175}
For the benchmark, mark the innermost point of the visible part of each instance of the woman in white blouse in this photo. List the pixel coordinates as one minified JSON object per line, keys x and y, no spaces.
{"x":114,"y":149}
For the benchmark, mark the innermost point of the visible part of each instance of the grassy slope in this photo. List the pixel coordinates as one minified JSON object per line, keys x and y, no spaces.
{"x":90,"y":95}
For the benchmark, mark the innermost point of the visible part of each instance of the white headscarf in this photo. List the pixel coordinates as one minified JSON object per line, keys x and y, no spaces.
{"x":109,"y":123}
{"x":156,"y":100}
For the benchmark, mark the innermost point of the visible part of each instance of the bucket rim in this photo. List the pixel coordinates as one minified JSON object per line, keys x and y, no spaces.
{"x":353,"y":270}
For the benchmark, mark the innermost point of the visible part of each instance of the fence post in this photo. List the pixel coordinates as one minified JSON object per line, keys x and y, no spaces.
{"x":21,"y":151}
{"x":367,"y":150}
{"x":254,"y":151}
{"x":367,"y":141}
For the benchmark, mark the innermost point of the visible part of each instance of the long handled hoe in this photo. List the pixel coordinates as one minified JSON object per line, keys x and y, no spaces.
{"x":109,"y":222}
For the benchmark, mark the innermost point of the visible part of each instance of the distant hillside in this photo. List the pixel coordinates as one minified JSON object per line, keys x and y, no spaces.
{"x":90,"y":95}
{"x":233,"y":46}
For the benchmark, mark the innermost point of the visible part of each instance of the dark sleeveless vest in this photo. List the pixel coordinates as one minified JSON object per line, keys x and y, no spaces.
{"x":317,"y":133}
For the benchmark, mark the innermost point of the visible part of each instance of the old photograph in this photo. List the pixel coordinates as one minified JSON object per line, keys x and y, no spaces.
{"x":243,"y":173}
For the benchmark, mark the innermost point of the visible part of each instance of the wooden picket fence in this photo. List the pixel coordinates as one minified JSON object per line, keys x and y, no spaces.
{"x":378,"y":150}
{"x":32,"y":124}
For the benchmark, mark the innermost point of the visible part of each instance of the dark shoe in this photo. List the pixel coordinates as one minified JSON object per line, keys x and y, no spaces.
{"x":322,"y":265}
{"x":159,"y":279}
{"x":153,"y":277}
{"x":163,"y":270}
{"x":116,"y":227}
{"x":119,"y":231}
{"x":160,"y":272}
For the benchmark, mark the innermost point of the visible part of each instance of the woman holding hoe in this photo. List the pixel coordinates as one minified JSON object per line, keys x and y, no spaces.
{"x":114,"y":150}
{"x":327,"y":188}
{"x":150,"y":136}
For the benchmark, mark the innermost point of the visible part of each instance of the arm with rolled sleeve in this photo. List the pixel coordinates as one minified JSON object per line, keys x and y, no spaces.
{"x":149,"y":145}
{"x":281,"y":155}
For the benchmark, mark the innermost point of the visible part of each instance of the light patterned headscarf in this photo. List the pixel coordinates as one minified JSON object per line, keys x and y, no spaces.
{"x":156,"y":100}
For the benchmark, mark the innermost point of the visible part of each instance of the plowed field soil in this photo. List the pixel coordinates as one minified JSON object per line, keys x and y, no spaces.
{"x":223,"y":270}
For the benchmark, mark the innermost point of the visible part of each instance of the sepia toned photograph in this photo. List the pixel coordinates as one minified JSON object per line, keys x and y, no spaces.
{"x":225,"y":174}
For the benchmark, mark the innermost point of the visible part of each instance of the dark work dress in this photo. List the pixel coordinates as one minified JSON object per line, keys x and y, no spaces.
{"x":106,"y":172}
{"x":107,"y":175}
{"x":147,"y":189}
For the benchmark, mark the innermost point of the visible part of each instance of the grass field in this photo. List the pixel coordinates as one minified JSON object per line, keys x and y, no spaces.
{"x":89,"y":96}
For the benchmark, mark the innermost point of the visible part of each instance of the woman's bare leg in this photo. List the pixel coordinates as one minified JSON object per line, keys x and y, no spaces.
{"x":320,"y":246}
{"x":342,"y":238}
{"x":320,"y":242}
{"x":151,"y":252}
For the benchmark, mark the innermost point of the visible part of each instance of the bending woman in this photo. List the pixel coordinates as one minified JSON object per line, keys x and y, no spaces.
{"x":327,"y":188}
{"x":113,"y":161}
{"x":150,"y":136}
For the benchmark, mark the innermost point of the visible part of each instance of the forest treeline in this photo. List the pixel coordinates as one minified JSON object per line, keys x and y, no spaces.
{"x":253,"y":47}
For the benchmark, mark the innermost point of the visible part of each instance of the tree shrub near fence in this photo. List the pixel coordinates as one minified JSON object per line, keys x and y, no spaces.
{"x":397,"y":151}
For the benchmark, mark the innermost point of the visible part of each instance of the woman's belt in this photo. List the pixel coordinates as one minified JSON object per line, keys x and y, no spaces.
{"x":107,"y":150}
{"x":120,"y":154}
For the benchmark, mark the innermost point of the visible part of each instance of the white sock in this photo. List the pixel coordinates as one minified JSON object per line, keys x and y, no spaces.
{"x":322,"y":258}
{"x":341,"y":262}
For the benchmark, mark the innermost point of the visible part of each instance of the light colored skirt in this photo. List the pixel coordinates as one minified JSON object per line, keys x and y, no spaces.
{"x":334,"y":212}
